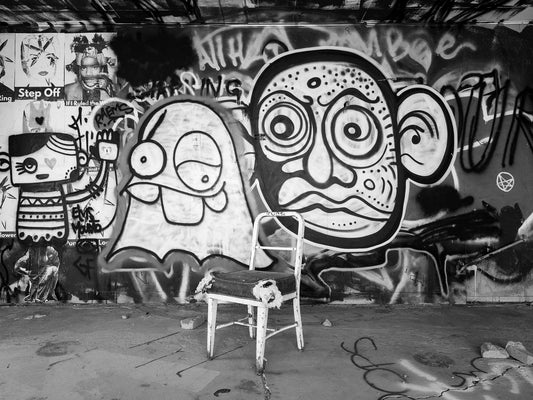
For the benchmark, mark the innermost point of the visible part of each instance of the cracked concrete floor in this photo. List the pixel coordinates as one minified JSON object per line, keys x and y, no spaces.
{"x":112,"y":352}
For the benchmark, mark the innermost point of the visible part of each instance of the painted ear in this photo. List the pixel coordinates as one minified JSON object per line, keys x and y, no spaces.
{"x":82,"y":158}
{"x":427,"y":134}
{"x":4,"y":161}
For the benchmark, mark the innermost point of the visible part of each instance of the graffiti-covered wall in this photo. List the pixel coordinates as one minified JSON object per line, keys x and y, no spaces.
{"x":132,"y":168}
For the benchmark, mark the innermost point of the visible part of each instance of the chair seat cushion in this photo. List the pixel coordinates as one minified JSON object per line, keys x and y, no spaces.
{"x":242,"y":283}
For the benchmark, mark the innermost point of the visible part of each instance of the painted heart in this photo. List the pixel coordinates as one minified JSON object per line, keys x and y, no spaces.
{"x":39,"y":120}
{"x":50,"y":162}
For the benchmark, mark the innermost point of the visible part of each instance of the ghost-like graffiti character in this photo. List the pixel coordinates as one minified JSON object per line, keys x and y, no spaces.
{"x":184,"y":192}
{"x":337,"y":144}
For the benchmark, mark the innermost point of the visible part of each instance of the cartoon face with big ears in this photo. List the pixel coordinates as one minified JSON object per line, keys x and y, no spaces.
{"x":337,"y":144}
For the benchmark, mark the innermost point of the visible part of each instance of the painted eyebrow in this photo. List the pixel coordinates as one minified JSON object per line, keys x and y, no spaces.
{"x":308,"y":99}
{"x":156,"y":125}
{"x":347,"y":92}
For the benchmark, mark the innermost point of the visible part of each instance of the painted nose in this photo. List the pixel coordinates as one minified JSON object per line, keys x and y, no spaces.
{"x":319,"y":162}
{"x":322,"y":167}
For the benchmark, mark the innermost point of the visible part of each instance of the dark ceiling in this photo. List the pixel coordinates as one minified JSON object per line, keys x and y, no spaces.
{"x":70,"y":15}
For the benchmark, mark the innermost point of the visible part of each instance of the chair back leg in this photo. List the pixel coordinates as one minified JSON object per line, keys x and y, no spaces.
{"x":298,"y":321}
{"x":251,"y":322}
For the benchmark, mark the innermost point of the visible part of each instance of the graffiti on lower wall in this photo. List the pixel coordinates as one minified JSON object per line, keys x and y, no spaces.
{"x":408,"y":378}
{"x":406,"y":149}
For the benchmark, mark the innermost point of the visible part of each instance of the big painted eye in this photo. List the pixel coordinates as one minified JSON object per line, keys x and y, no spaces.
{"x":284,"y":126}
{"x":198,"y":161}
{"x":147,"y":159}
{"x":355,"y":132}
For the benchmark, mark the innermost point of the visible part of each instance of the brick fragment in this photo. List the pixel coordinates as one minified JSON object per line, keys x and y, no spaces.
{"x":193,"y":322}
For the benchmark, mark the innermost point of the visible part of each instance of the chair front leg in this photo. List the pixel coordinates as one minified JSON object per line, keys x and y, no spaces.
{"x":262,"y":320}
{"x":211,"y":325}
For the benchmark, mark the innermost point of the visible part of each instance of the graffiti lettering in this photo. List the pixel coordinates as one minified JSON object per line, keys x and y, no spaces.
{"x":447,"y":42}
{"x":217,"y":51}
{"x":109,"y":113}
{"x":84,"y":221}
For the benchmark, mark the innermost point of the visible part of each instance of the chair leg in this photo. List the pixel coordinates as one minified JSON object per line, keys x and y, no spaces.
{"x":298,"y":321}
{"x":251,"y":321}
{"x":211,"y":325}
{"x":262,"y":320}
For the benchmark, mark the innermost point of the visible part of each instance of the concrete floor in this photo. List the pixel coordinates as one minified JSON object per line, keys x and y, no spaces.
{"x":140,"y":352}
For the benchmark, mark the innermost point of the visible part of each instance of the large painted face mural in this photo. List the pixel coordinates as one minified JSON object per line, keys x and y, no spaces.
{"x":185,"y":192}
{"x":337,"y":144}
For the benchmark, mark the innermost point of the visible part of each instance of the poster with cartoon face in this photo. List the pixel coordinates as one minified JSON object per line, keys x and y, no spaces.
{"x":38,"y":66}
{"x":7,"y":67}
{"x":91,"y":66}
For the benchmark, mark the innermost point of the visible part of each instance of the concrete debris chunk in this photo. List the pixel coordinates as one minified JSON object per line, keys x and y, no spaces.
{"x":519,"y":352}
{"x":327,"y":323}
{"x":489,"y":350}
{"x":35,"y":316}
{"x":193,"y":322}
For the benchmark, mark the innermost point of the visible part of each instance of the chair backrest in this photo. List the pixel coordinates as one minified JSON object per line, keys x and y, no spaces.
{"x":297,"y":250}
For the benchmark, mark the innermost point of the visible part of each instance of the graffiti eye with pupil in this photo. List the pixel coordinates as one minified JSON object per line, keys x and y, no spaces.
{"x":286,"y":128}
{"x":147,"y":159}
{"x":352,"y":131}
{"x":198,"y":162}
{"x":355,"y":132}
{"x":282,"y":127}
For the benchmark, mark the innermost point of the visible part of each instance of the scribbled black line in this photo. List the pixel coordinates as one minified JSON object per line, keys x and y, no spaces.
{"x":371,"y":367}
{"x":470,"y":123}
{"x":523,"y":124}
{"x":156,"y":125}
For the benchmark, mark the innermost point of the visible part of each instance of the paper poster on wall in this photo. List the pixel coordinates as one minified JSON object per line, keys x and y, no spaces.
{"x":90,"y":70}
{"x":39,"y":66}
{"x":7,"y":67}
{"x":43,"y":116}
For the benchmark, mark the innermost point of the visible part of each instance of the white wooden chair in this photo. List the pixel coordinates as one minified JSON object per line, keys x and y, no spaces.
{"x":261,"y":290}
